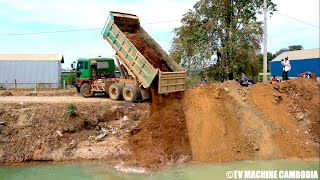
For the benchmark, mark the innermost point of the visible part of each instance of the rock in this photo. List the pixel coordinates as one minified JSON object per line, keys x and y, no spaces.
{"x":307,"y":96}
{"x":244,"y":98}
{"x":125,"y":118}
{"x":300,"y":116}
{"x":102,"y":134}
{"x":1,"y":127}
{"x":226,"y":89}
{"x":216,"y":95}
{"x":59,"y":133}
{"x":2,"y":123}
{"x":255,"y":146}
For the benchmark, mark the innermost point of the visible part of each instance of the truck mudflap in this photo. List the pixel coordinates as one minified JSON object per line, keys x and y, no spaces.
{"x":171,"y":82}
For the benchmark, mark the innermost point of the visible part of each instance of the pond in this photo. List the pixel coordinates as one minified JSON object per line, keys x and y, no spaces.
{"x":97,"y":171}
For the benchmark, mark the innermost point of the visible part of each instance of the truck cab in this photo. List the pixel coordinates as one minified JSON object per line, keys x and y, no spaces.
{"x":89,"y":69}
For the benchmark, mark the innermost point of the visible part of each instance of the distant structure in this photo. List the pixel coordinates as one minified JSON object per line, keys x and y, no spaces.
{"x":65,"y":72}
{"x":26,"y":70}
{"x":300,"y":60}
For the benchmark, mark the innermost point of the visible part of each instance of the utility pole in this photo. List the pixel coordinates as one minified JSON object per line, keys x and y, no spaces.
{"x":265,"y":51}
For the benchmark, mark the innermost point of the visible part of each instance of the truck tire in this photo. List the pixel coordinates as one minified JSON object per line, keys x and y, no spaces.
{"x":131,"y":93}
{"x":85,"y":90}
{"x":115,"y":91}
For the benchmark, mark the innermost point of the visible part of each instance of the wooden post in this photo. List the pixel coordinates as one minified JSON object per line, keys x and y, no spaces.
{"x":64,"y":84}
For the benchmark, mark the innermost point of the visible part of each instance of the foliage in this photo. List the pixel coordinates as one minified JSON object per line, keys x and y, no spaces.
{"x":70,"y":78}
{"x":290,"y":48}
{"x":270,"y":56}
{"x":85,"y":120}
{"x":220,"y":36}
{"x":71,"y":110}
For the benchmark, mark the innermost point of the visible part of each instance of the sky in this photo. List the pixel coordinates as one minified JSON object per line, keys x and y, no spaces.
{"x":21,"y":17}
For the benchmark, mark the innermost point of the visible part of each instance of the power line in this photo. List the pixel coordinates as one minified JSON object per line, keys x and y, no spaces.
{"x":297,"y":19}
{"x":49,"y":32}
{"x":74,"y":30}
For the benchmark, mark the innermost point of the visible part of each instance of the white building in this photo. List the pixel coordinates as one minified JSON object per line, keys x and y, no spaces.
{"x":24,"y":70}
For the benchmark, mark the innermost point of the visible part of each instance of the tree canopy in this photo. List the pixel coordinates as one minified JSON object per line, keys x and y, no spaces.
{"x":220,"y":37}
{"x":290,"y":48}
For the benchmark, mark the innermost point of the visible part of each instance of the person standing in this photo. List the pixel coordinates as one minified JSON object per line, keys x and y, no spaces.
{"x":286,"y":68}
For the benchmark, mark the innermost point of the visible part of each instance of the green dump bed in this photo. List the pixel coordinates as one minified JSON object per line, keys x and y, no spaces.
{"x":170,"y":79}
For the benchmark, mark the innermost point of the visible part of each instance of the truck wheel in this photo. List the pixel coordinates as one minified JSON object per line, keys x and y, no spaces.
{"x":85,"y":90}
{"x":115,"y":91}
{"x":131,"y":93}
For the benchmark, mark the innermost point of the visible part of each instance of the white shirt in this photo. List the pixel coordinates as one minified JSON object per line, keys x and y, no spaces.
{"x":286,"y":65}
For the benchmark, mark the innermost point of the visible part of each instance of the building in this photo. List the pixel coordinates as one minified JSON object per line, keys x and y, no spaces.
{"x":26,"y":70}
{"x":65,"y":72}
{"x":301,"y":61}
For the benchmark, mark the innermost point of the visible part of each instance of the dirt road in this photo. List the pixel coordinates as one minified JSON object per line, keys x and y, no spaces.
{"x":51,"y":99}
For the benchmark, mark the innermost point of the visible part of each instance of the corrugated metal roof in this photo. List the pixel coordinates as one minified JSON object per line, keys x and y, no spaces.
{"x":300,"y":54}
{"x":32,"y":57}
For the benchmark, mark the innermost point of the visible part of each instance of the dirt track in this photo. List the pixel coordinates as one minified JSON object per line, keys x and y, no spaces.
{"x":52,"y":99}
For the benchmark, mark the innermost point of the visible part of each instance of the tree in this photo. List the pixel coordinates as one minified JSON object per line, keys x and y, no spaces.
{"x":290,"y":48}
{"x":70,"y":78}
{"x":270,"y":56}
{"x":295,"y":47}
{"x":221,"y":37}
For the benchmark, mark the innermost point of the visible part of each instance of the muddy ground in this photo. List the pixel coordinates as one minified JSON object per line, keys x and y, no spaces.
{"x":212,"y":123}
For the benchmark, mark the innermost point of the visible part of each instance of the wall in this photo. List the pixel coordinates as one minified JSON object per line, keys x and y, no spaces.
{"x":26,"y":73}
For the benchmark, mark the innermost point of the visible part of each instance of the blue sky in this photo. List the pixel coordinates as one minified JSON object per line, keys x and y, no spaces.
{"x":20,"y":16}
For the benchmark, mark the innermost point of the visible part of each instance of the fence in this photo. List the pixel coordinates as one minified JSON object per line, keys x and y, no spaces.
{"x":35,"y":85}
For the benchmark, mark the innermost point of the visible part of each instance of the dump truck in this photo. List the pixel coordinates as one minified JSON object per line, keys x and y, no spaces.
{"x":87,"y":70}
{"x":139,"y":71}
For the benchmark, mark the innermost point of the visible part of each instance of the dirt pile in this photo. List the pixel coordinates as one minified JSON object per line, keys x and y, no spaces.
{"x":294,"y":106}
{"x":150,"y":54}
{"x":162,"y":138}
{"x":45,"y":132}
{"x":227,"y":122}
{"x":6,"y":93}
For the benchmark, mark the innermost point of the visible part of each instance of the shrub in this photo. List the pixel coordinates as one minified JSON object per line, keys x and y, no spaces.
{"x":71,"y":110}
{"x":85,"y":120}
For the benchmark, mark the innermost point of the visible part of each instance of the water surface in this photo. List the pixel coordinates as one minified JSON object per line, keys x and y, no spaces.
{"x":88,"y":171}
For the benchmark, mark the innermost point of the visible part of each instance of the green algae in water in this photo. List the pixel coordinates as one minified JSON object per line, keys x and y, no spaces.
{"x":84,"y":171}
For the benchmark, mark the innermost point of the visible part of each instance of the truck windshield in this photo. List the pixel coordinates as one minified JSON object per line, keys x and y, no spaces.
{"x":80,"y":65}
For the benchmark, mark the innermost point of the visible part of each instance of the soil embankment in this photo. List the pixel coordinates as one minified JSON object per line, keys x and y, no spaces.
{"x":45,"y":132}
{"x":212,"y":123}
{"x":227,"y":122}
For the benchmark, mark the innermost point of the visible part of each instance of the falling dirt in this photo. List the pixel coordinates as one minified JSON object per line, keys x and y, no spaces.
{"x":162,"y":139}
{"x":150,"y":54}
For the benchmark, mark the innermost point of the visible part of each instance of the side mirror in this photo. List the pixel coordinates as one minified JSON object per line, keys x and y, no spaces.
{"x":72,"y":65}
